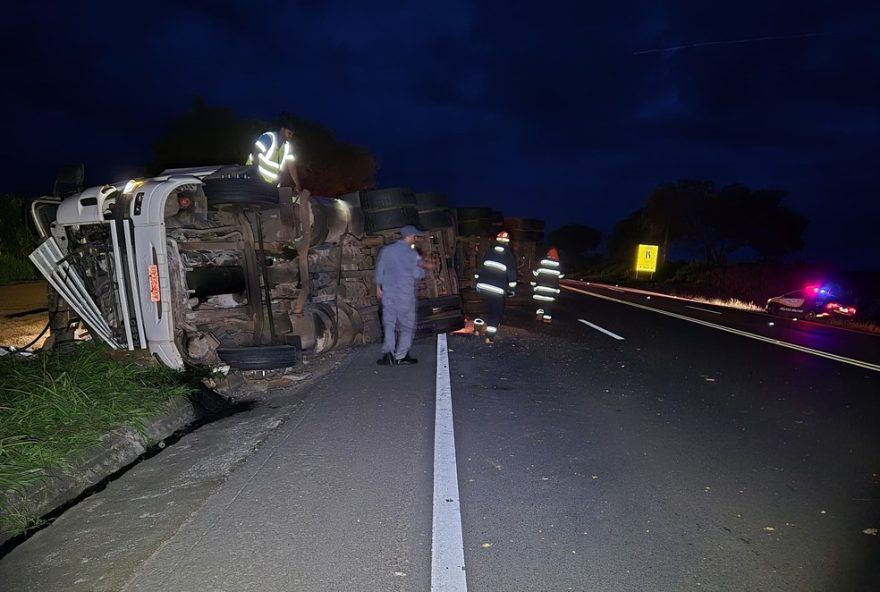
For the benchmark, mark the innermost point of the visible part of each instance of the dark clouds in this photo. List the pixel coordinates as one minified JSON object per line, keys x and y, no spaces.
{"x":538,"y":109}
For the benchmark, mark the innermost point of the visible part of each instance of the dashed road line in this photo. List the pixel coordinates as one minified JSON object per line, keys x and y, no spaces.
{"x":447,"y":547}
{"x":800,"y":348}
{"x":718,"y":312}
{"x":598,"y":328}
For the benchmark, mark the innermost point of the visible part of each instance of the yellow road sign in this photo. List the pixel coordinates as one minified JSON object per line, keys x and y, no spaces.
{"x":647,"y":258}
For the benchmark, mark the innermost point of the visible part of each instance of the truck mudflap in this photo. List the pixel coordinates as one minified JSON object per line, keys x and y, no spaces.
{"x":50,"y":262}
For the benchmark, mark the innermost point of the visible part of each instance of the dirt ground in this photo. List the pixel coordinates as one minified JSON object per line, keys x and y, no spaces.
{"x":22,"y":297}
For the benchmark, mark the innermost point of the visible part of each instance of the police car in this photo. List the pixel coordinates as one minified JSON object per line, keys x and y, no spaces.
{"x":811,"y":302}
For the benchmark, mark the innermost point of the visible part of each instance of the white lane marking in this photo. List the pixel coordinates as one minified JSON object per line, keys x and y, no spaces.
{"x":598,"y":328}
{"x":447,"y":547}
{"x":703,"y":309}
{"x":800,"y":348}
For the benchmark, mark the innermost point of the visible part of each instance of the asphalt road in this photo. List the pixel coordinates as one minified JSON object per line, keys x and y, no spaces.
{"x":641,"y":451}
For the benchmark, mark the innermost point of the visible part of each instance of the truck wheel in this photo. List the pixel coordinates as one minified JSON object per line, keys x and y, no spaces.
{"x":435,"y":219}
{"x":524,"y":224}
{"x":394,"y":218}
{"x":384,"y":199}
{"x":481,"y":227}
{"x":241,"y":192}
{"x":474,"y":214}
{"x":527,"y":235}
{"x":259,"y":357}
{"x":431,"y":201}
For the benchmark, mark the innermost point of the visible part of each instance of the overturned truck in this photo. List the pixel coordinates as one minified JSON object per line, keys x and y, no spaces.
{"x":208,"y":267}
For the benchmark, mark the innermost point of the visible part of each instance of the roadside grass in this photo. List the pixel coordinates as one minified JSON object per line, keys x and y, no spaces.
{"x":55,"y":407}
{"x":727,"y":302}
{"x":15,"y":269}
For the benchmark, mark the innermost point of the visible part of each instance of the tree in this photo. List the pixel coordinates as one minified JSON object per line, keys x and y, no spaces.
{"x":204,"y":136}
{"x":207,"y":135}
{"x":694,"y":213}
{"x":624,"y":237}
{"x":575,"y":239}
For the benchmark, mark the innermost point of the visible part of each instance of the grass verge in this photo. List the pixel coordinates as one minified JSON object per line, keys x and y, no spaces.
{"x":15,"y":269}
{"x":54,"y":408}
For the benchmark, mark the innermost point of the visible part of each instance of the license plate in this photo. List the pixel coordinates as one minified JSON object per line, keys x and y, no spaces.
{"x":153,"y":272}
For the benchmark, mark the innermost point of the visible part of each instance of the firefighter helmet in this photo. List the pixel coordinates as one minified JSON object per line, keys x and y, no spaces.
{"x":553,"y":254}
{"x":503,"y":237}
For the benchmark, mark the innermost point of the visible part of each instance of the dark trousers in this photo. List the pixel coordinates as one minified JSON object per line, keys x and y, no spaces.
{"x":494,"y":308}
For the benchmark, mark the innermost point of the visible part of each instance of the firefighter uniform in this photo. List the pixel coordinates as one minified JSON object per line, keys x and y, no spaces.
{"x":545,"y":285}
{"x":496,"y":278}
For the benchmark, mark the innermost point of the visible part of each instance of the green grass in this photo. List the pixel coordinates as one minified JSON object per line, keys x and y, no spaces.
{"x":54,"y":408}
{"x":15,"y":269}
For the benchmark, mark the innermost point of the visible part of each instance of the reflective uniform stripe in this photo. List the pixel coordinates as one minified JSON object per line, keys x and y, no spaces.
{"x":495,"y":265}
{"x":549,"y":263}
{"x":490,"y":288}
{"x":543,"y":298}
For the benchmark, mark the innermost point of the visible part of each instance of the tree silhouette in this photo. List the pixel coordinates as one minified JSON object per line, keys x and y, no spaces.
{"x":208,"y":135}
{"x":694,"y":213}
{"x":575,"y":239}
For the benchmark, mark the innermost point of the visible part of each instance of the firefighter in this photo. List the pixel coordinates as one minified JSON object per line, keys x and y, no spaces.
{"x":496,"y":279}
{"x":545,"y":285}
{"x":273,"y":155}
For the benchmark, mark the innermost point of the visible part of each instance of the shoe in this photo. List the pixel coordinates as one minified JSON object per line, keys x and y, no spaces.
{"x":407,"y":359}
{"x":488,"y":341}
{"x":387,"y":360}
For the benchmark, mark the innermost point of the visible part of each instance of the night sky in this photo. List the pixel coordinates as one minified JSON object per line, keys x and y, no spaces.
{"x":554,"y":110}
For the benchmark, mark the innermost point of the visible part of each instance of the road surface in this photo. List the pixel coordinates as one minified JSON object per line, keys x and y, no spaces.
{"x":617,"y":449}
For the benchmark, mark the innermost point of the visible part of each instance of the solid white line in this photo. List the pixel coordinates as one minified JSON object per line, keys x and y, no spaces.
{"x":703,"y":309}
{"x":800,"y":348}
{"x":598,"y":328}
{"x":447,"y":547}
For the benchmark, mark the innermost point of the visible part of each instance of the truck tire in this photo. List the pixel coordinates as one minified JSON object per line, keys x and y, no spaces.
{"x":431,"y":201}
{"x":469,"y":214}
{"x":259,"y":357}
{"x":482,"y":227}
{"x":527,"y":235}
{"x":384,"y":199}
{"x":253,"y":192}
{"x":435,"y":219}
{"x":524,"y":224}
{"x":393,"y":218}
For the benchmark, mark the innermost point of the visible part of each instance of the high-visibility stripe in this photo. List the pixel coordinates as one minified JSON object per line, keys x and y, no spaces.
{"x":546,"y":289}
{"x":495,"y":265}
{"x":540,"y":311}
{"x":491,"y":329}
{"x":490,"y":288}
{"x":479,"y":322}
{"x":511,"y":285}
{"x":550,"y":271}
{"x":543,"y":298}
{"x":549,"y":262}
{"x":499,"y":249}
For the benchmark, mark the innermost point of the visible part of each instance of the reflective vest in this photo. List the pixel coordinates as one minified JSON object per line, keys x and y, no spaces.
{"x":271,"y":157}
{"x":497,"y":274}
{"x":545,"y":281}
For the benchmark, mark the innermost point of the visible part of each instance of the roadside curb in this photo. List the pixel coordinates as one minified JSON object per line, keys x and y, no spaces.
{"x":119,"y":448}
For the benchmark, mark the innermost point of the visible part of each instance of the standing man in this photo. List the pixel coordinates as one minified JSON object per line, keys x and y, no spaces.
{"x":398,"y":270}
{"x":274,"y":157}
{"x":496,"y":278}
{"x":545,"y":284}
